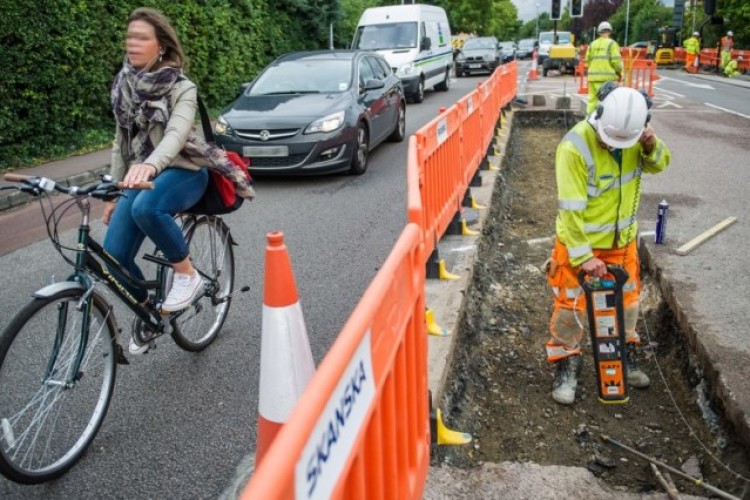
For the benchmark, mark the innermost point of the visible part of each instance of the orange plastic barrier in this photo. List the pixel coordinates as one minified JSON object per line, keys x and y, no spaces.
{"x":361,"y":428}
{"x":639,"y":74}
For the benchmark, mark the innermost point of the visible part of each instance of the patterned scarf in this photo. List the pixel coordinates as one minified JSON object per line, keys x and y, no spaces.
{"x":141,"y":101}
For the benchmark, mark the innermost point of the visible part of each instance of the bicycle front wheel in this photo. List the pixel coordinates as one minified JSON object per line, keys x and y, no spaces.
{"x":210,"y":247}
{"x":48,"y":415}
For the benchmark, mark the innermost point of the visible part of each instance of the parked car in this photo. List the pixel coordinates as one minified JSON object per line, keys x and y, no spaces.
{"x":478,"y":54}
{"x":509,"y":51}
{"x":315,"y":112}
{"x":525,"y":48}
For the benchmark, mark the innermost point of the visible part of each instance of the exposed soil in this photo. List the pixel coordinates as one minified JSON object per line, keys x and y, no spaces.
{"x":500,"y":385}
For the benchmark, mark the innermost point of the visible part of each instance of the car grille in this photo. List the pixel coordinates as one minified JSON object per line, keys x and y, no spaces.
{"x":475,"y":59}
{"x":273,"y":134}
{"x":283,"y":161}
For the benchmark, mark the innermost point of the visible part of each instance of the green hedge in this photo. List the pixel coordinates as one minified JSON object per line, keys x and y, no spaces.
{"x":59,"y":58}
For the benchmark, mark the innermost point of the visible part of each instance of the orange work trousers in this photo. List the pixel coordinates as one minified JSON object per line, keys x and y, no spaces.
{"x":690,"y":66}
{"x":569,"y":312}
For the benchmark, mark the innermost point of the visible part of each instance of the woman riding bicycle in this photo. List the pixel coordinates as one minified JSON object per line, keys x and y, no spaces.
{"x":154,"y":106}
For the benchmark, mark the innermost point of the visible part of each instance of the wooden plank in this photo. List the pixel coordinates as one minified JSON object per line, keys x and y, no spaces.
{"x":705,"y":236}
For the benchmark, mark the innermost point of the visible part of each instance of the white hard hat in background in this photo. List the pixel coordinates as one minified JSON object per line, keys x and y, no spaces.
{"x":604,"y":26}
{"x":623,"y":117}
{"x":729,"y":33}
{"x":695,"y":33}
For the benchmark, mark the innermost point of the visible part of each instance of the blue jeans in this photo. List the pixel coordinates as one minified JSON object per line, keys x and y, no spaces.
{"x":150,"y":213}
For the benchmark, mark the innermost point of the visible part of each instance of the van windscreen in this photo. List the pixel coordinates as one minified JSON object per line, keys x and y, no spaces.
{"x":386,"y":36}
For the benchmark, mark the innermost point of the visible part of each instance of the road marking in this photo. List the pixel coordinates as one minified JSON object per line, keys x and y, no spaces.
{"x":667,"y":104}
{"x":727,"y":110}
{"x":696,"y":85}
{"x":670,"y":92}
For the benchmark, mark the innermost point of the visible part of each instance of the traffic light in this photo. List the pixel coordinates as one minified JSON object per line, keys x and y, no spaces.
{"x":556,"y":10}
{"x":709,"y":7}
{"x":576,"y":8}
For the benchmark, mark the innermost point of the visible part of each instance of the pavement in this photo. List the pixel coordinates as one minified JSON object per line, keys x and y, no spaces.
{"x":707,"y":290}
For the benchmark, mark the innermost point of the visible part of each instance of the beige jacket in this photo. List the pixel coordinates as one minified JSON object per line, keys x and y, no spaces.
{"x":183,"y":102}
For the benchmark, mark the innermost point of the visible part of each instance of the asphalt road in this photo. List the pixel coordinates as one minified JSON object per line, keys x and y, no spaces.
{"x":179,"y":422}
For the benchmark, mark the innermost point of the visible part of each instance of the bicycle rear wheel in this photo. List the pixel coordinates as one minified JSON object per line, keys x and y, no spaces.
{"x":212,"y":255}
{"x":46,"y":426}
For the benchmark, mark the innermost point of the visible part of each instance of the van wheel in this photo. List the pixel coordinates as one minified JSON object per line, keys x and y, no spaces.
{"x":419,"y":96}
{"x":544,"y":71}
{"x":359,"y":159}
{"x":445,"y":85}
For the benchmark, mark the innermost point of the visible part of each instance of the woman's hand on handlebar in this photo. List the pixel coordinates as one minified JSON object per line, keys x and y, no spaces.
{"x":595,"y":267}
{"x":140,"y":172}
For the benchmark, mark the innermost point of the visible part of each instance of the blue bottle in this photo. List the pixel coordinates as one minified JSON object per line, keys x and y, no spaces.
{"x":661,"y":222}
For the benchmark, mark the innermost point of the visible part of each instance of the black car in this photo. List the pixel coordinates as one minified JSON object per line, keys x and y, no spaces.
{"x":478,"y":55}
{"x":315,"y":112}
{"x":525,"y":48}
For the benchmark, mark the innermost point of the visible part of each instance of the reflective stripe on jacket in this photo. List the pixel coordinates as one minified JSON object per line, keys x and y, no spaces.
{"x":597,"y":198}
{"x":692,"y":45}
{"x":603,"y":60}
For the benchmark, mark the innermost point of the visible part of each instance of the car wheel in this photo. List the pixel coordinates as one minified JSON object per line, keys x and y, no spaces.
{"x":544,"y":71}
{"x":399,"y":132}
{"x":359,"y":159}
{"x":419,"y":96}
{"x":445,"y":85}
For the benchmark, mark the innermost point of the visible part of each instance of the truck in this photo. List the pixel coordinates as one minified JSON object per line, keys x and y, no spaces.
{"x":556,"y":51}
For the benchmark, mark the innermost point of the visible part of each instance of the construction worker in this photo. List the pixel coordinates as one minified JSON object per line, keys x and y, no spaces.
{"x":598,"y":166}
{"x":727,"y":44}
{"x":730,"y":69}
{"x":692,"y":49}
{"x":603,"y":62}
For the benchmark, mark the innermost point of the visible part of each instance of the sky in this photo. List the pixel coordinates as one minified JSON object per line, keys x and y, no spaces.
{"x":527,"y":8}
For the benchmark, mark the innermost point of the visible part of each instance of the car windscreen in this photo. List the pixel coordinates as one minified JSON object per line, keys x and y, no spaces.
{"x":386,"y":36}
{"x":562,"y":37}
{"x":526,"y":44}
{"x":309,"y":76}
{"x":479,"y":43}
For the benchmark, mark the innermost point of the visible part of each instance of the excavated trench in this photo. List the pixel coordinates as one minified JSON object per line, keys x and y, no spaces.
{"x":500,"y":383}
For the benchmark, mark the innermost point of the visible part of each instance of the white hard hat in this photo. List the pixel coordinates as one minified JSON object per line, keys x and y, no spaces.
{"x":621,"y":117}
{"x":695,"y":33}
{"x":729,"y":33}
{"x":604,"y":26}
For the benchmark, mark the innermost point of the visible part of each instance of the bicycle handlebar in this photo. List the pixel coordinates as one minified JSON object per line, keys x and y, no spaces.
{"x":49,"y":185}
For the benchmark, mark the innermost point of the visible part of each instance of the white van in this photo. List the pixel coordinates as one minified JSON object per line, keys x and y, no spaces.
{"x":416,"y":42}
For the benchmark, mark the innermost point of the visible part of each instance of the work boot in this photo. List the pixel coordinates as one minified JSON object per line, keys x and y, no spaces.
{"x":636,"y":377}
{"x":566,"y":380}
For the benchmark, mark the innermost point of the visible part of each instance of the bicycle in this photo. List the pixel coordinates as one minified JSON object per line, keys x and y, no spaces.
{"x":58,"y":356}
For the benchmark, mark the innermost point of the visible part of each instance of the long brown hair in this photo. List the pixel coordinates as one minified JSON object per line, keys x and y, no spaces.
{"x":165,"y":34}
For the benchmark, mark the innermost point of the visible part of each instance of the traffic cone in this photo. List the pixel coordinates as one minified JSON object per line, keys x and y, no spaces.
{"x":533,"y":75}
{"x":286,"y":362}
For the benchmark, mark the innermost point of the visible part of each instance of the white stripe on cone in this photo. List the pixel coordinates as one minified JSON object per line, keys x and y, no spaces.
{"x":286,"y":362}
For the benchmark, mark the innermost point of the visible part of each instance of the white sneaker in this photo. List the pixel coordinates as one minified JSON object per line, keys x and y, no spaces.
{"x":185,"y":288}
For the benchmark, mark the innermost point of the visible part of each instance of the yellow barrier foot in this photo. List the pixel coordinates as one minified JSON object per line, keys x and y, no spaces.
{"x":500,"y":132}
{"x":448,"y":436}
{"x":445,"y":275}
{"x":432,"y":327}
{"x":475,"y":205}
{"x":465,"y":231}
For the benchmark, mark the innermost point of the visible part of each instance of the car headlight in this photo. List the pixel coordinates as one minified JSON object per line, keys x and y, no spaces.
{"x":222,"y":127}
{"x":406,"y":70}
{"x":326,"y":124}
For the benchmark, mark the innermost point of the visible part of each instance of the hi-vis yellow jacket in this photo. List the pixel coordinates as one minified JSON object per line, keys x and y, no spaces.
{"x":597,"y":197}
{"x":603,"y":60}
{"x":692,"y":45}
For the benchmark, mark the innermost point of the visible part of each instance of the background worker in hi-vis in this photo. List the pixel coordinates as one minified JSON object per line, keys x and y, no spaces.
{"x":603,"y":63}
{"x":598,"y":166}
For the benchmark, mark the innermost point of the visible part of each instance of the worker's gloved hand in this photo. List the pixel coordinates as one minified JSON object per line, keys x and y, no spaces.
{"x":595,"y":267}
{"x":648,"y":140}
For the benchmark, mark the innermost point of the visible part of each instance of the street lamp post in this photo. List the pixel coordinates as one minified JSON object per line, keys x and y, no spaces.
{"x":537,"y":21}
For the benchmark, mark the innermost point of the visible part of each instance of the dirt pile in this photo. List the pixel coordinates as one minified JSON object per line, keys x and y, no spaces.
{"x":500,"y":384}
